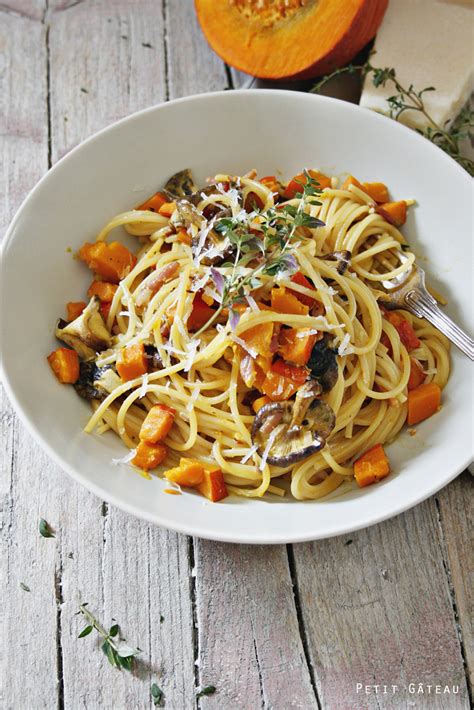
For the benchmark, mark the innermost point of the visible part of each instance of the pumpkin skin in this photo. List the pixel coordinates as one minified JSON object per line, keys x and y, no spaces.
{"x":298,"y":39}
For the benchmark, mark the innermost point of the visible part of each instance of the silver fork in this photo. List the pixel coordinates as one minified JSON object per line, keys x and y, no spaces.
{"x":408,"y":292}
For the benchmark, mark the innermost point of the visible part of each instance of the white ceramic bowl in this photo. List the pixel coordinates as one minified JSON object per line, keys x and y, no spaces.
{"x":230,"y":132}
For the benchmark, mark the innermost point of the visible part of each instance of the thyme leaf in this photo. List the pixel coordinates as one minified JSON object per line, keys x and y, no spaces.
{"x":208,"y":690}
{"x":448,"y":136}
{"x":45,"y":529}
{"x":156,"y":694}
{"x":118,"y":653}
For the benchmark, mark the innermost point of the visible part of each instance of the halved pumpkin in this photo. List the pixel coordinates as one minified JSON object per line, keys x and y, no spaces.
{"x":283,"y":39}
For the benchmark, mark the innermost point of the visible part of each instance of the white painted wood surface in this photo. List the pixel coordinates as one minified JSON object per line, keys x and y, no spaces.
{"x":269,"y":627}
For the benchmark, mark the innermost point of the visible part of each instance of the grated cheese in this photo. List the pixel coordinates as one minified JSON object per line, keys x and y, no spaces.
{"x":191,"y":349}
{"x":199,"y":284}
{"x":143,"y":386}
{"x":345,"y":348}
{"x":253,"y":353}
{"x":125,"y":459}
{"x":306,"y":332}
{"x":252,"y":450}
{"x":194,"y":395}
{"x":266,"y":452}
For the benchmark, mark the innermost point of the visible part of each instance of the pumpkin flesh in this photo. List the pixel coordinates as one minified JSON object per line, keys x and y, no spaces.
{"x":283,"y":39}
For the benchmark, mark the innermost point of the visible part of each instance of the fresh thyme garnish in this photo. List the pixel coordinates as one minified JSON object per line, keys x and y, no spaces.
{"x":118,"y":653}
{"x":25,"y":587}
{"x":157,"y":694}
{"x":446,"y":137}
{"x":45,"y":529}
{"x":208,"y":690}
{"x":270,"y":249}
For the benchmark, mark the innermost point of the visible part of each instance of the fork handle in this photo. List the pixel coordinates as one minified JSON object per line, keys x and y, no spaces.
{"x":424,"y":305}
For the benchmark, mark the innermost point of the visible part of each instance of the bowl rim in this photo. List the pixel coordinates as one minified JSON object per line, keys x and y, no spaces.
{"x":117,"y":501}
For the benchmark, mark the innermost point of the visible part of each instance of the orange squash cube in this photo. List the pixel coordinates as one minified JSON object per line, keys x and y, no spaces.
{"x":351,"y":180}
{"x":153,"y":203}
{"x":132,"y":362}
{"x":103,"y":289}
{"x":111,"y":262}
{"x":283,"y":301}
{"x":167,"y":209}
{"x":277,"y":387}
{"x":157,"y":423}
{"x":259,"y":338}
{"x":393,"y":212}
{"x":376,"y":190}
{"x":74,"y":309}
{"x":423,"y":402}
{"x":65,"y":365}
{"x":183,"y":236}
{"x":297,"y":183}
{"x":149,"y":455}
{"x":297,"y":345}
{"x":189,"y":473}
{"x":372,"y":466}
{"x":213,"y":486}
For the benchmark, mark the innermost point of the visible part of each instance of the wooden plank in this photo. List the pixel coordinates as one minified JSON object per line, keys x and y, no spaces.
{"x":23,"y":123}
{"x":249,"y":640}
{"x":456,"y":518}
{"x":253,"y":660}
{"x":192,"y":65}
{"x":32,"y":9}
{"x":378,"y":611}
{"x":27,"y":619}
{"x":107,"y":60}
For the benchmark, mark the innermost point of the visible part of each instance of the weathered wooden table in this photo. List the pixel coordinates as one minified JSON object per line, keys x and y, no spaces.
{"x":306,"y":626}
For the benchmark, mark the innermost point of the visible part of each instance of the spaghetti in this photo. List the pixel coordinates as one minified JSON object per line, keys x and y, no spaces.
{"x":247,"y":301}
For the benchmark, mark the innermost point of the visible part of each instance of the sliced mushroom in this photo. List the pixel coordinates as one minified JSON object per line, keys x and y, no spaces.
{"x":216,"y":251}
{"x":181,"y":184}
{"x":186,"y":214}
{"x":197,"y":196}
{"x":211,"y":210}
{"x":292,"y":431}
{"x":89,"y":383}
{"x":342,"y":257}
{"x":323,"y":364}
{"x":87,"y":334}
{"x":153,"y":356}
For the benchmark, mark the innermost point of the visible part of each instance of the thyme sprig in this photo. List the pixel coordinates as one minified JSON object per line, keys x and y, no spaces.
{"x":118,"y":653}
{"x":447,"y":137}
{"x":271,"y":250}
